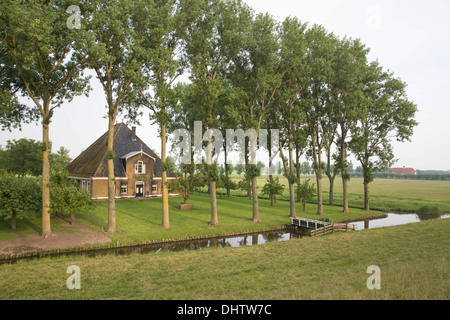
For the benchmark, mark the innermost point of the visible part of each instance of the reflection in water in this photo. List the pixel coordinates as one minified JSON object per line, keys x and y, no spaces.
{"x":220,"y":242}
{"x":235,"y":241}
{"x":397,"y":219}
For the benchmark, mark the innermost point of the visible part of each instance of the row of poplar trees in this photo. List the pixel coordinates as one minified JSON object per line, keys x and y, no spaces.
{"x":245,"y":71}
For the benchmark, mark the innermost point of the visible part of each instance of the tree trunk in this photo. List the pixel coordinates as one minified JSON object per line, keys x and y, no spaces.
{"x":212,"y":187}
{"x":72,"y":220}
{"x":255,"y":200}
{"x":214,"y":218}
{"x":291,"y":175}
{"x":227,"y":173}
{"x":165,"y":192}
{"x":291,"y":200}
{"x":13,"y":221}
{"x":319,"y":194}
{"x":249,"y":189}
{"x":111,"y":180}
{"x":345,"y":194}
{"x":331,"y":195}
{"x":297,"y":156}
{"x":366,"y":196}
{"x":344,"y":172}
{"x":270,"y":173}
{"x":46,"y":226}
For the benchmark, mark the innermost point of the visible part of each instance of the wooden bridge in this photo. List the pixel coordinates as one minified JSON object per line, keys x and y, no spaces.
{"x":319,"y":228}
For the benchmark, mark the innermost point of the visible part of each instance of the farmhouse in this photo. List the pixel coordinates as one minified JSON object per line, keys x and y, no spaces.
{"x":137,"y":169}
{"x":404,"y":170}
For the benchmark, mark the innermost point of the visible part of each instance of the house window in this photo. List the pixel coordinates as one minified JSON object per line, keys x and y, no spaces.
{"x":154,"y":187}
{"x":88,"y":186}
{"x":83,"y":185}
{"x":140,"y":168}
{"x":123,"y":189}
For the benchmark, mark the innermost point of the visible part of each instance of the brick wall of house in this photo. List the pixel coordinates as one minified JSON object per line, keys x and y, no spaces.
{"x":133,"y":177}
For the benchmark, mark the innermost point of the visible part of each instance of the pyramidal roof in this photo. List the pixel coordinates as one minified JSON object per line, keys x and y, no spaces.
{"x":93,"y":162}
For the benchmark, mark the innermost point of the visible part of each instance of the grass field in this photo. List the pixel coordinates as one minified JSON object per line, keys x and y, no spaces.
{"x":413,"y":259}
{"x":139,"y":220}
{"x":389,"y":195}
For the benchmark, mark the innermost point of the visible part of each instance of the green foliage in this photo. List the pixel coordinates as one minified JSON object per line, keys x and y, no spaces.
{"x":228,"y":183}
{"x":59,"y":160}
{"x":67,"y":197}
{"x":19,"y":196}
{"x":428,"y":209}
{"x":273,"y":187}
{"x":213,"y":173}
{"x":111,"y":154}
{"x":239,"y":168}
{"x":244,"y":184}
{"x":306,"y":192}
{"x":253,"y":171}
{"x":22,"y":157}
{"x":37,"y":58}
{"x":189,"y":177}
{"x":168,"y":165}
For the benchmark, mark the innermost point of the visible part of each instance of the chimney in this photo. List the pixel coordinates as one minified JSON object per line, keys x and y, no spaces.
{"x":133,"y":134}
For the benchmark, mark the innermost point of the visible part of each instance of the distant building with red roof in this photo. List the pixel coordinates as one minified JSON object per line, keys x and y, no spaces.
{"x":404,"y":170}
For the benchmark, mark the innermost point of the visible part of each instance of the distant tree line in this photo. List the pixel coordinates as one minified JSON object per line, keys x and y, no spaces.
{"x":419,"y":176}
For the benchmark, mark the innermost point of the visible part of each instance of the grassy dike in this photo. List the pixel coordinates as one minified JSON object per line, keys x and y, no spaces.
{"x":414,"y":262}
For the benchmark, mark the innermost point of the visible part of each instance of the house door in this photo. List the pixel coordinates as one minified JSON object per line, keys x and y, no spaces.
{"x":139,"y":189}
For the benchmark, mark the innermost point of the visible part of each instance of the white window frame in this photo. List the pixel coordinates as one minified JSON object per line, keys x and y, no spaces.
{"x":88,"y":186}
{"x":154,"y":188}
{"x":126,"y":188}
{"x":140,"y":167}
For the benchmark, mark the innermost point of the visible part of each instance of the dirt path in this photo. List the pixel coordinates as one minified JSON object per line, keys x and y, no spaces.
{"x":79,"y":236}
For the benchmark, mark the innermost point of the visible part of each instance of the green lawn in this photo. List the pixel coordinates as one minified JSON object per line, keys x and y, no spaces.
{"x":139,"y":220}
{"x":414,"y":262}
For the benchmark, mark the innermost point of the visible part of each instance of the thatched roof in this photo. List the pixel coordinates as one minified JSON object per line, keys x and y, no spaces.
{"x":92,"y":163}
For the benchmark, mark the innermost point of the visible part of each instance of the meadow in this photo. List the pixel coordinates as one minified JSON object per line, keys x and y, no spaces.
{"x":388,"y":195}
{"x":413,"y":260}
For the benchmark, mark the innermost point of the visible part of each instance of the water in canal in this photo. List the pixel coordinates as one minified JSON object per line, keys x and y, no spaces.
{"x":243,"y":240}
{"x":218,"y":242}
{"x":393,"y":219}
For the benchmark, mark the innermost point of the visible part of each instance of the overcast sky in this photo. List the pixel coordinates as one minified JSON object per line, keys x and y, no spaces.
{"x":410,"y":38}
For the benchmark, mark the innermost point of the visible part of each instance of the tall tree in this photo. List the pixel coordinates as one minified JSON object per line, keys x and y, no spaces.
{"x":256,"y":76}
{"x":346,"y":94}
{"x":213,"y":39}
{"x":111,"y":45}
{"x":288,"y":110}
{"x":386,"y":114}
{"x":37,"y":46}
{"x":316,"y":106}
{"x":165,"y":23}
